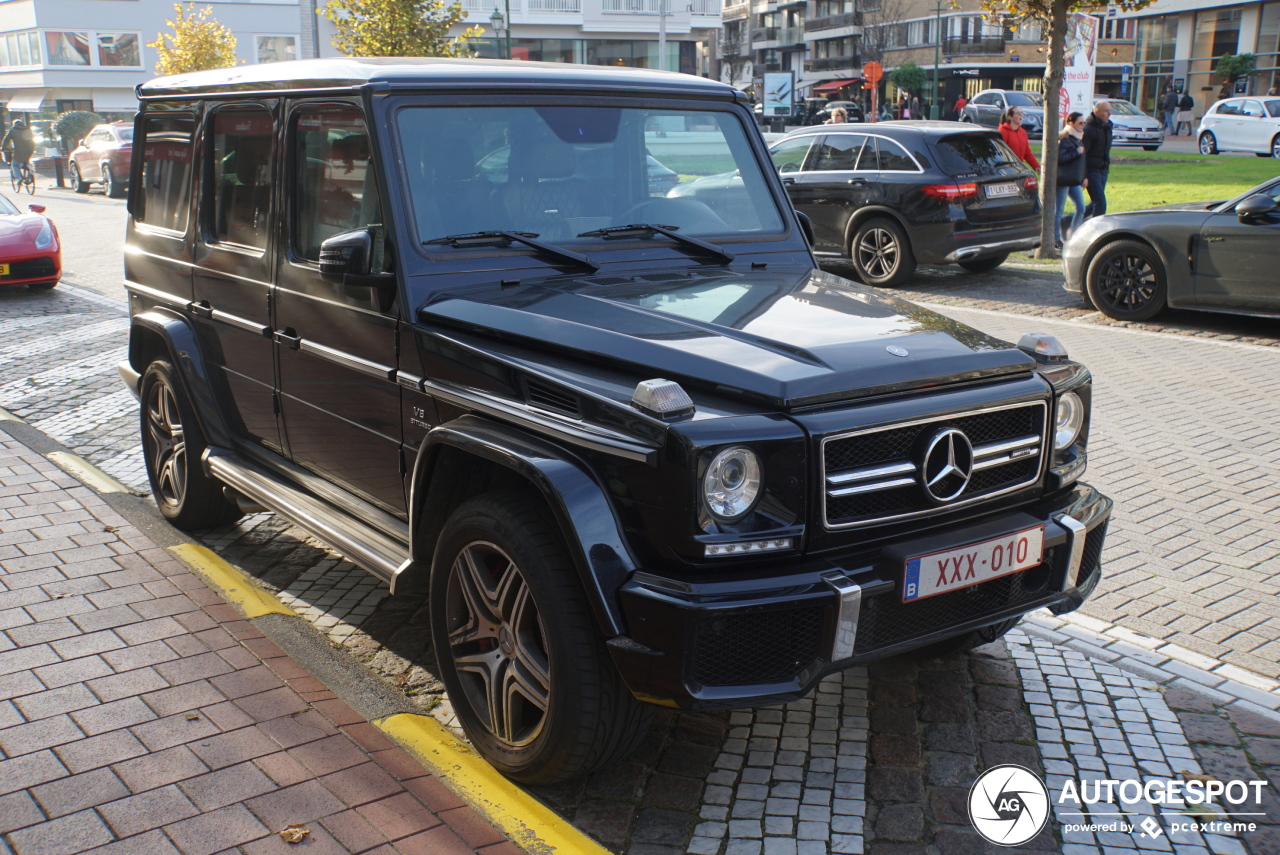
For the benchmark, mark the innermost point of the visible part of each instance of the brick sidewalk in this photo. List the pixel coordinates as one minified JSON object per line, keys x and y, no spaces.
{"x":142,"y":715}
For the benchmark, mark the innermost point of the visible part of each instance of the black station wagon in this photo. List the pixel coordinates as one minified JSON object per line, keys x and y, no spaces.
{"x":634,"y":446}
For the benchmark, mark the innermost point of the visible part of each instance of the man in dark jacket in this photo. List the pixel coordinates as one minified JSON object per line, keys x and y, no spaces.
{"x":1097,"y":158}
{"x":19,"y":145}
{"x":1169,"y":106}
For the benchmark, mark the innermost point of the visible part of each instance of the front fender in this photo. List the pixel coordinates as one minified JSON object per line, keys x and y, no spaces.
{"x":582,"y":510}
{"x":161,"y":332}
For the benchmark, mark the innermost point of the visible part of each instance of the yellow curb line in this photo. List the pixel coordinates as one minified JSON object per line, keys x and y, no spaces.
{"x":529,"y":823}
{"x":6,"y":416}
{"x":233,"y":584}
{"x":91,"y":475}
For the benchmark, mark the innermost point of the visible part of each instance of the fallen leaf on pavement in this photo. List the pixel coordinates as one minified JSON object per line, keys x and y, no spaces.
{"x":294,"y":833}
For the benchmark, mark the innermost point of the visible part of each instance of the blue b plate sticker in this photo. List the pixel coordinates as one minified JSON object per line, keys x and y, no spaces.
{"x":911,"y":582}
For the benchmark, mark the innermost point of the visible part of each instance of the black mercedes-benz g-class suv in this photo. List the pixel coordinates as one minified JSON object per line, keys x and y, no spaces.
{"x":630,"y":441}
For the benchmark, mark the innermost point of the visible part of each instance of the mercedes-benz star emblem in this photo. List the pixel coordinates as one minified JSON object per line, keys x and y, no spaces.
{"x":947,"y":465}
{"x":896,"y":351}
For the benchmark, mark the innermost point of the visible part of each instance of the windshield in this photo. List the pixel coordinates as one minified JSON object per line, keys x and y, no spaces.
{"x":6,"y":207}
{"x":1124,"y":108}
{"x":557,"y":172}
{"x":1024,"y":99}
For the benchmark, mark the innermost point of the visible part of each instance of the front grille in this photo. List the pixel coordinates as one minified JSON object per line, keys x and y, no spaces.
{"x":886,"y":620}
{"x":756,"y":647}
{"x":31,"y":268}
{"x":873,"y":476}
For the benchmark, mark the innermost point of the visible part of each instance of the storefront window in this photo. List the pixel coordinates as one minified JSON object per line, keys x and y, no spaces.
{"x":67,"y":48}
{"x":1268,"y":51}
{"x":118,"y":49}
{"x":1217,"y":33}
{"x":1157,"y":38}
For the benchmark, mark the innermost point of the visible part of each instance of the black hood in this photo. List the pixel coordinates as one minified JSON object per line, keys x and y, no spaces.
{"x":789,"y":338}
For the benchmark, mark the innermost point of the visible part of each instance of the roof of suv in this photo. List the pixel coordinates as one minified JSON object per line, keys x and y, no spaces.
{"x":922,"y":127}
{"x":415,"y":73}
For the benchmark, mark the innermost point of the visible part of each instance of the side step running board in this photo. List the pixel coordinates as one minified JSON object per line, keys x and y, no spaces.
{"x":370,"y":549}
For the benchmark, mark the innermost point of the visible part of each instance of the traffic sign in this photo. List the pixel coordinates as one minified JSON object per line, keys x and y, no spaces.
{"x":872,"y":72}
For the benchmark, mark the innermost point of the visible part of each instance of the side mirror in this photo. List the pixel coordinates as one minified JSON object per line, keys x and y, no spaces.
{"x":39,"y":209}
{"x":1255,"y":206}
{"x":806,"y":226}
{"x":346,"y":253}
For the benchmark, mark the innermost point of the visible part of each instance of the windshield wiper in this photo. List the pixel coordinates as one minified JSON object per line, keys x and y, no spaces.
{"x":615,"y":232}
{"x":526,"y":238}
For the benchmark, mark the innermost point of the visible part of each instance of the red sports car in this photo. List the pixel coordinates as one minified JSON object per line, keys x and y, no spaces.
{"x":103,"y":156}
{"x":29,"y":250}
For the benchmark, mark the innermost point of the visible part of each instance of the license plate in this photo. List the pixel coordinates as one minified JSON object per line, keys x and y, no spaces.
{"x":4,"y":270}
{"x":953,"y":569}
{"x":1146,"y":136}
{"x":996,"y":190}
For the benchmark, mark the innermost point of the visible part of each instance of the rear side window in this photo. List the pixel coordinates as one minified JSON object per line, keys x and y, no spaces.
{"x":839,"y":151}
{"x":1230,"y":108}
{"x":241,"y":148}
{"x":789,"y":155}
{"x":166,"y":172}
{"x":893,"y":158}
{"x":975,"y":155}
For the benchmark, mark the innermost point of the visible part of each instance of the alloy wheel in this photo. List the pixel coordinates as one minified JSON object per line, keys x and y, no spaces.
{"x":167,"y":444}
{"x":1127,"y":282}
{"x":1208,"y":145}
{"x":498,"y":644}
{"x":878,"y":253}
{"x":1275,"y":147}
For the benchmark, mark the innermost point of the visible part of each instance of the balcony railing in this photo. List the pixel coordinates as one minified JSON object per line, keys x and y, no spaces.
{"x":733,"y":11}
{"x":634,"y":7}
{"x":989,"y":45}
{"x":851,"y":19}
{"x":704,"y":7}
{"x":832,"y":62}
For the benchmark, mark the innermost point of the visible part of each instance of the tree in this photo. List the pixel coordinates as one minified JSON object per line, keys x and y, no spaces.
{"x":1052,"y":17}
{"x":198,"y":42}
{"x":882,"y":29}
{"x":732,"y":60}
{"x":398,"y":27}
{"x":908,"y":77}
{"x":1231,"y":67}
{"x":74,"y":125}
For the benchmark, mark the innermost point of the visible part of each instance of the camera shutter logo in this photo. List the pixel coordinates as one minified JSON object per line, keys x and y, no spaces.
{"x":1008,"y":805}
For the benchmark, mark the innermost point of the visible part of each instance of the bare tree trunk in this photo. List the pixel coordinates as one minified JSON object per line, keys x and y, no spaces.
{"x":1049,"y":156}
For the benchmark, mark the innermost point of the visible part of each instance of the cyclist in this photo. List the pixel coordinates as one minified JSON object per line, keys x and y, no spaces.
{"x":20,"y":145}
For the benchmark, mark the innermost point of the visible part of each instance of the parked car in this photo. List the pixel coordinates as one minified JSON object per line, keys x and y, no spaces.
{"x":853,"y":108}
{"x":1242,"y":124}
{"x":636,"y":449}
{"x":1217,"y":256}
{"x":30,"y":253}
{"x":590,"y":161}
{"x":1132,"y":128}
{"x":891,"y":195}
{"x":989,"y":105}
{"x":103,"y":157}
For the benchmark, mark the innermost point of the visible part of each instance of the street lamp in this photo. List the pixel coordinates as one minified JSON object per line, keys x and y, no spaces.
{"x":499,"y":22}
{"x":936,"y":107}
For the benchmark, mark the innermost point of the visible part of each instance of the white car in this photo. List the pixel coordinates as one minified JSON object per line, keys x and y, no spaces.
{"x":1242,"y":124}
{"x":1131,"y":127}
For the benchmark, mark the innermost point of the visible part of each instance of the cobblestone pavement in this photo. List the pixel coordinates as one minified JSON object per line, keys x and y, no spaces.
{"x":141,"y":715}
{"x":1191,"y":568}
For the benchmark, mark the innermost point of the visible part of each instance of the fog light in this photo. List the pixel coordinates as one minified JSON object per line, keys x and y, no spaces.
{"x":747,"y":547}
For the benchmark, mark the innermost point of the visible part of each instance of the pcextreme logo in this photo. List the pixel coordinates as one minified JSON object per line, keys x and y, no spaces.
{"x":1008,"y":805}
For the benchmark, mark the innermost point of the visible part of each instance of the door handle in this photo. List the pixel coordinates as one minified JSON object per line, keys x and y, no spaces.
{"x":858,"y":181}
{"x":201,"y":309}
{"x":788,"y":181}
{"x":287,"y":338}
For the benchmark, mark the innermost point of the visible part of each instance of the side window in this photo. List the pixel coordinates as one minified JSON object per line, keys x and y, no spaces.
{"x":1228,"y":109}
{"x":166,"y":172}
{"x":241,"y":180}
{"x":893,"y":158}
{"x":839,"y":151}
{"x":334,"y":185}
{"x":1254,"y":109}
{"x":789,"y":155}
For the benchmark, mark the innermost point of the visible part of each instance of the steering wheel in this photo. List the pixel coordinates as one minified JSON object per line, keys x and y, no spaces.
{"x":789,"y":167}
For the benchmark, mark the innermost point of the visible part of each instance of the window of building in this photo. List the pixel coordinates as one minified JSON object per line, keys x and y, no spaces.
{"x":1116,"y":29}
{"x":334,"y":190}
{"x":119,"y":50}
{"x":17,"y":49}
{"x":241,"y":179}
{"x":1268,"y":50}
{"x":166,"y":172}
{"x":277,"y":48}
{"x":67,"y":48}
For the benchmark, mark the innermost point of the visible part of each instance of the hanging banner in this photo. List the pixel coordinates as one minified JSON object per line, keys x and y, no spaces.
{"x":1078,"y":70}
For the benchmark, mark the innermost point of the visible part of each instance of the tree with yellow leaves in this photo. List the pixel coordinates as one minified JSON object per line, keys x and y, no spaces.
{"x":198,"y":42}
{"x":398,"y":27}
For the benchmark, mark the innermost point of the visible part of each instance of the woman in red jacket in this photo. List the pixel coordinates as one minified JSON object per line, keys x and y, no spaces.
{"x":1016,"y":137}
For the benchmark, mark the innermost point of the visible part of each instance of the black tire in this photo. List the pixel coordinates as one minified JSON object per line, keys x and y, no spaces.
{"x":172,"y":444}
{"x":1208,"y":143}
{"x":501,"y":580}
{"x":985,"y":265}
{"x":881,"y":253}
{"x":113,"y":188}
{"x":77,"y":183}
{"x":1126,"y":281}
{"x":968,"y":641}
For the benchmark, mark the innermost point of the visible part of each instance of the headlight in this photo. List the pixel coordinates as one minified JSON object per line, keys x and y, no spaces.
{"x":1070,"y":418}
{"x":45,"y":238}
{"x":732,"y":483}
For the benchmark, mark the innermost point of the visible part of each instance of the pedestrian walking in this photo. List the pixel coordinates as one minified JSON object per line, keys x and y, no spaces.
{"x":1070,"y":177}
{"x":1169,"y":108}
{"x":958,"y":109}
{"x":1097,"y":158}
{"x":838,"y":116}
{"x":1185,"y":115}
{"x":915,"y":107}
{"x":1014,"y":135}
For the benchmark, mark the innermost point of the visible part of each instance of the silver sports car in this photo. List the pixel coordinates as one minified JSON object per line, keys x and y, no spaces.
{"x":1221,"y":256}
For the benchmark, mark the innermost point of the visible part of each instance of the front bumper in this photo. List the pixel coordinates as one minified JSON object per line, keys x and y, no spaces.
{"x":771,"y":637}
